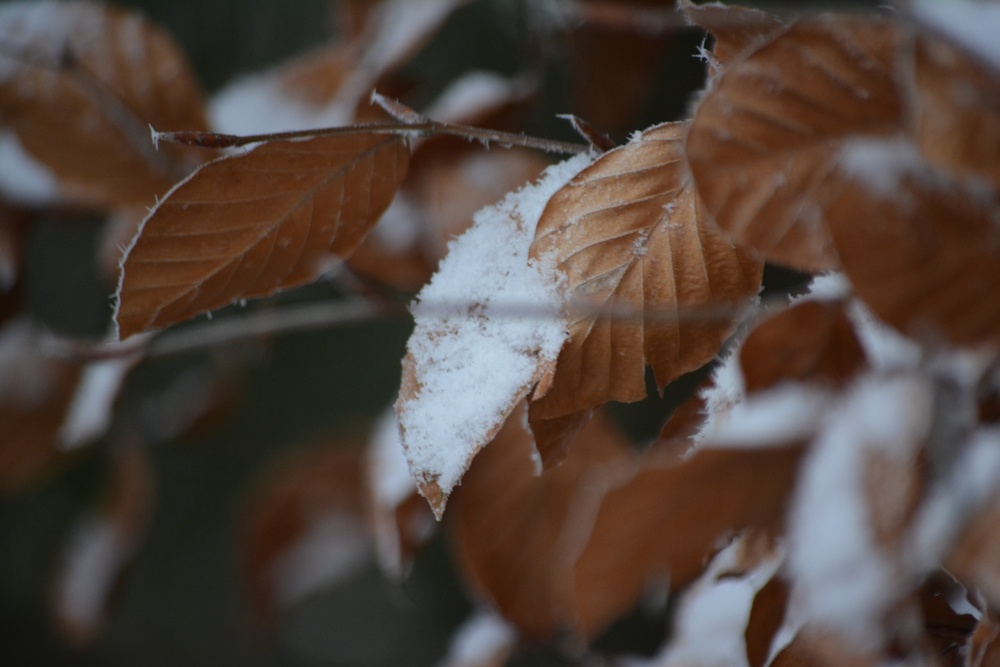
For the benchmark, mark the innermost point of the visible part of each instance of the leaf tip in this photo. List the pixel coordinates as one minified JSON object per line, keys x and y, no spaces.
{"x":436,"y":497}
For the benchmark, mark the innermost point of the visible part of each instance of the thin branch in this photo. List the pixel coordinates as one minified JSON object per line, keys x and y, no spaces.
{"x":427,"y":128}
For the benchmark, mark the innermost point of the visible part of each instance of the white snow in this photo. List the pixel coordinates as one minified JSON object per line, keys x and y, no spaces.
{"x":484,"y":639}
{"x":880,"y":164}
{"x":713,"y":616}
{"x":93,"y":559}
{"x":474,"y":93}
{"x":332,"y":547}
{"x":973,"y":24}
{"x":485,"y":325}
{"x":782,"y":415}
{"x":844,"y":580}
{"x":390,"y":484}
{"x":89,"y":413}
{"x":23,"y":179}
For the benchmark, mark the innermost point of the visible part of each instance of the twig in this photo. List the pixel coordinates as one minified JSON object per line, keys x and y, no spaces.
{"x":427,"y":128}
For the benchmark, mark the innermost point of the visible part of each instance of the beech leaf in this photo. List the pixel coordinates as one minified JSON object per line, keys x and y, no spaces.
{"x":629,"y":234}
{"x":256,"y":223}
{"x":920,"y":245}
{"x":764,"y":137}
{"x":737,"y":30}
{"x":80,"y":84}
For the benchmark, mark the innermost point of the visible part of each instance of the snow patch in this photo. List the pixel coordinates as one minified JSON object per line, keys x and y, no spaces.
{"x":485,"y":324}
{"x":484,"y":639}
{"x":972,"y":24}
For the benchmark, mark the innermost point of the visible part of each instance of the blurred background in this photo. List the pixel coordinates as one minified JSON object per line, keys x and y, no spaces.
{"x":212,"y":476}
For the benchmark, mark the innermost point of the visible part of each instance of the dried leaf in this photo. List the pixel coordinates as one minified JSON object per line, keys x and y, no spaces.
{"x":934,"y":254}
{"x":516,"y":535}
{"x":983,"y":650}
{"x":256,"y":223}
{"x":766,"y":618}
{"x":304,"y":529}
{"x":629,"y":235}
{"x":765,"y":137}
{"x":81,"y":83}
{"x":946,"y":628}
{"x":811,"y":341}
{"x":957,"y":105}
{"x":737,"y":31}
{"x":672,"y":516}
{"x":102,"y":546}
{"x":488,"y":327}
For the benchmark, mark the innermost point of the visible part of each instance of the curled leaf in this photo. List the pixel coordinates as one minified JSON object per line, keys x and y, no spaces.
{"x":737,"y":31}
{"x":657,"y":284}
{"x":256,"y":223}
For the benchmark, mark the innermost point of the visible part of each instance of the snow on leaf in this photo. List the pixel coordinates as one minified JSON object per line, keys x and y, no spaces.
{"x":81,"y":83}
{"x":304,"y":528}
{"x":928,"y":263}
{"x":854,"y":502}
{"x":101,"y":546}
{"x":483,"y":640}
{"x":487,"y":326}
{"x":256,"y":223}
{"x":971,"y":24}
{"x":764,"y":137}
{"x":629,"y":235}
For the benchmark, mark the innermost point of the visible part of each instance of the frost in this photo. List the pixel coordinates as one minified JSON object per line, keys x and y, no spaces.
{"x":485,"y":325}
{"x":972,"y":24}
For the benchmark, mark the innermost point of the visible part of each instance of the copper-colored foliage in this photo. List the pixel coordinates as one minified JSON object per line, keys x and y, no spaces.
{"x":257,"y":223}
{"x":975,"y":557}
{"x":983,"y":649}
{"x":312,"y":500}
{"x":764,"y":137}
{"x":924,"y":254}
{"x":554,"y":436}
{"x":516,"y":535}
{"x":629,"y":234}
{"x":957,"y":105}
{"x":101,"y":548}
{"x":947,"y":630}
{"x":812,"y":341}
{"x":35,"y":392}
{"x":766,"y":617}
{"x":82,"y":85}
{"x":671,"y":517}
{"x":737,"y":30}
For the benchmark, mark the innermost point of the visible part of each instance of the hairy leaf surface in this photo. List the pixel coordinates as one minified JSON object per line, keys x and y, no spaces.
{"x":649,"y":279}
{"x":256,"y":223}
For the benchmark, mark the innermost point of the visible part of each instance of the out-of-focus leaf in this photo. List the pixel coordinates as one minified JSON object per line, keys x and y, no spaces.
{"x":256,"y":223}
{"x":81,"y":83}
{"x":920,"y":246}
{"x":629,"y":234}
{"x":811,"y":341}
{"x":765,"y":137}
{"x":516,"y":535}
{"x":766,"y":617}
{"x":305,"y":529}
{"x":102,"y":545}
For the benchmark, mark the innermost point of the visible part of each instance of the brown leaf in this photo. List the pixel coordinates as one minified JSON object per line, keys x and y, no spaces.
{"x":957,"y":105}
{"x":304,"y":528}
{"x":983,"y":650}
{"x":554,"y":436}
{"x":737,"y":31}
{"x":257,"y":223}
{"x":101,"y":548}
{"x":35,"y":394}
{"x":947,"y":630}
{"x":766,"y":617}
{"x":629,"y":233}
{"x":705,"y":498}
{"x":516,"y":535}
{"x":81,"y":85}
{"x":764,"y":138}
{"x":929,"y":263}
{"x":811,"y":341}
{"x":975,"y":557}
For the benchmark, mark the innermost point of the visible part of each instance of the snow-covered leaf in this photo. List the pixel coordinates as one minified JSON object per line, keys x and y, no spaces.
{"x":488,"y":325}
{"x":630,"y":236}
{"x":256,"y":223}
